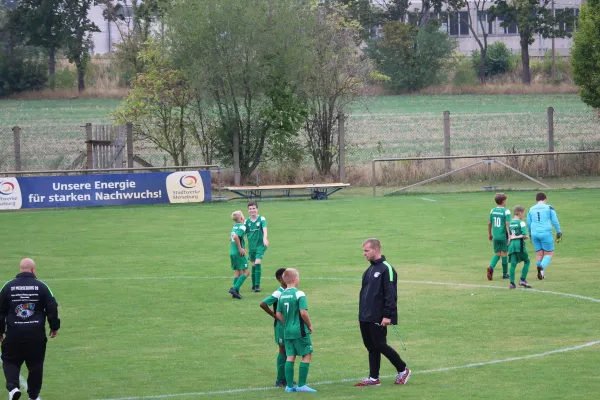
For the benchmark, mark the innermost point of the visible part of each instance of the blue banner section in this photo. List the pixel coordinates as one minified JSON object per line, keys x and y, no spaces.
{"x":105,"y":190}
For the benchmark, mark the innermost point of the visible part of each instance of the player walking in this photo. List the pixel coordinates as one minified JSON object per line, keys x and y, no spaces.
{"x":256,"y":229}
{"x":498,"y":234}
{"x":540,"y":219}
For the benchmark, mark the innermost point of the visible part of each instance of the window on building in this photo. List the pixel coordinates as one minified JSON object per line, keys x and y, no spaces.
{"x":459,"y":23}
{"x":509,"y":30}
{"x":442,"y":18}
{"x":484,"y":19}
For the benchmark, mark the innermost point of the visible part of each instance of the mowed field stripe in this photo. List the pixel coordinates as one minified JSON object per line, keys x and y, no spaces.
{"x":192,"y":277}
{"x":429,"y":371}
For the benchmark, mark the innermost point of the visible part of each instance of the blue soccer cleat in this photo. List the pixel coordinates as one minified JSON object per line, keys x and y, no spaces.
{"x":305,"y":389}
{"x":290,"y":389}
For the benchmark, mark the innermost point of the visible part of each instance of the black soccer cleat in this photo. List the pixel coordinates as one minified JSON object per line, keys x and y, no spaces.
{"x":257,"y":289}
{"x":540,"y":274}
{"x":506,"y":276}
{"x":235,"y":293}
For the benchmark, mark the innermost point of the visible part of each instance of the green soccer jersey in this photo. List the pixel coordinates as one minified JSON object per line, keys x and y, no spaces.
{"x":290,"y":303}
{"x":239,"y":230}
{"x":273,"y":299}
{"x":517,"y":228}
{"x":254,"y":230}
{"x":498,"y":218}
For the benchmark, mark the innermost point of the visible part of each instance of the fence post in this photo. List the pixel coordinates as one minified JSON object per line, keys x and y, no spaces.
{"x":90,"y":147}
{"x":551,"y":165}
{"x":342,"y":143}
{"x":17,"y":144}
{"x":129,"y":127}
{"x":447,"y":162}
{"x":236,"y":158}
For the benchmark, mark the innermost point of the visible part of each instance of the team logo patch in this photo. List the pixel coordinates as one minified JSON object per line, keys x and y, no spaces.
{"x":258,"y":224}
{"x":6,"y":188}
{"x":188,"y":181}
{"x":25,"y":310}
{"x":377,"y":274}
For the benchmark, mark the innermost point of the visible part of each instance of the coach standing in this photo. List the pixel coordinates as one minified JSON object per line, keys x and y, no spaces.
{"x":25,"y":304}
{"x":376,"y":310}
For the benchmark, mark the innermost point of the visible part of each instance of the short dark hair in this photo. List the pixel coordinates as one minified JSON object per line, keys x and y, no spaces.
{"x":279,"y":273}
{"x":499,"y":198}
{"x":253,"y":203}
{"x":519,"y":210}
{"x":541,"y":196}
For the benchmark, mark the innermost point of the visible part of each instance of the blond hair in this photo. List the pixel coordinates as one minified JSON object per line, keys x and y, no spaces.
{"x":236,"y":215}
{"x":373,"y":243}
{"x":289,"y":275}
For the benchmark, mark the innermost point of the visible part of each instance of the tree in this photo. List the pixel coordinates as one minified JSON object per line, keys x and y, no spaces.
{"x":240,"y":63}
{"x":585,"y":54}
{"x":41,"y":22}
{"x":78,"y":28}
{"x":334,"y":79}
{"x":158,"y":104}
{"x":412,"y":58}
{"x":531,"y":17}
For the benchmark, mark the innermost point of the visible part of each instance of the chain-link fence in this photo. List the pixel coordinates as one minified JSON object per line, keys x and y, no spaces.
{"x":380,"y":136}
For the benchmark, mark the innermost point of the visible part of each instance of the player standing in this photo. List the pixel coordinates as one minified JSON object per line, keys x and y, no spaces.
{"x":237,"y":254}
{"x":540,"y":219}
{"x":517,"y":251}
{"x":498,"y":235}
{"x":292,"y":311}
{"x":278,"y":326}
{"x":256,"y":229}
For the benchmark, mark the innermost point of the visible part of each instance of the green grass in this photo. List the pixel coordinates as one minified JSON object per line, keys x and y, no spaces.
{"x":132,"y":328}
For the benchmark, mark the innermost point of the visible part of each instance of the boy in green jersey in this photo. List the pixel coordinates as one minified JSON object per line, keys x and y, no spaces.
{"x":237,"y":254}
{"x":516,"y":248}
{"x":256,"y":229}
{"x":498,"y":235}
{"x":292,"y":311}
{"x":272,"y":300}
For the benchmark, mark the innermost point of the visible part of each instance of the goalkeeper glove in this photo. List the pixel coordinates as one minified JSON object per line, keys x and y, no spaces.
{"x":558,"y":237}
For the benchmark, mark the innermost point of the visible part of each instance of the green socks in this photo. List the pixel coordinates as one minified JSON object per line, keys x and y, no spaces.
{"x":303,"y":374}
{"x":504,"y":265}
{"x":281,"y":367}
{"x":525,"y":270}
{"x":289,"y":373}
{"x":240,"y":281}
{"x":494,"y":261}
{"x":513,"y":267}
{"x":256,"y":273}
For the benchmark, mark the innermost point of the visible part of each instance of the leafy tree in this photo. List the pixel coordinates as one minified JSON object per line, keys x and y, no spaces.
{"x":497,"y":61}
{"x":243,"y":64}
{"x":412,"y":58}
{"x":335,"y":75}
{"x":158,"y":105}
{"x":532,"y":17}
{"x":585,"y":54}
{"x":41,"y":23}
{"x":78,"y":28}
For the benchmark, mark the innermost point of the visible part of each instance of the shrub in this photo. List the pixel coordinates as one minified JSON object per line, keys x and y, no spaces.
{"x":498,"y":60}
{"x":18,"y":74}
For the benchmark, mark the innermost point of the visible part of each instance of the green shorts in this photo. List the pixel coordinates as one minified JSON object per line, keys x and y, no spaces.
{"x":298,"y":347}
{"x":238,"y":262}
{"x":279,"y":329}
{"x":500,"y":246}
{"x":257,"y":253}
{"x":516,"y":258}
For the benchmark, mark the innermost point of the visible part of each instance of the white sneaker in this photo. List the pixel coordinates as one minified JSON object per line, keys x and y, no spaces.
{"x":14,"y":394}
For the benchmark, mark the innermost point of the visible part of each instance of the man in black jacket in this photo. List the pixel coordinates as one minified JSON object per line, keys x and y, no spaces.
{"x":25,"y":304}
{"x":376,"y":310}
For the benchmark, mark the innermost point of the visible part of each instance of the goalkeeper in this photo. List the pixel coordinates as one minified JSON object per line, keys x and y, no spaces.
{"x":540,"y":220}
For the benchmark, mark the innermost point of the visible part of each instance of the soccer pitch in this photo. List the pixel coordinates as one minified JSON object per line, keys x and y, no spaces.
{"x":146,"y":314}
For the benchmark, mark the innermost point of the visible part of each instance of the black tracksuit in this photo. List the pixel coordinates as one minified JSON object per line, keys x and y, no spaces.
{"x":378,"y":299}
{"x":25,"y":304}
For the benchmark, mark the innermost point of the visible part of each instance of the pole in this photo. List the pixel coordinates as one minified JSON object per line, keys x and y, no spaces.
{"x":17,"y":146}
{"x":553,"y":52}
{"x":236,"y":158}
{"x":447,"y":162}
{"x":551,"y":164}
{"x":342,"y":144}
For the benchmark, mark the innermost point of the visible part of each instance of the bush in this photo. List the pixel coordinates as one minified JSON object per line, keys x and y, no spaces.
{"x":464,"y":74}
{"x":65,"y":79}
{"x":18,"y":74}
{"x":498,"y":60}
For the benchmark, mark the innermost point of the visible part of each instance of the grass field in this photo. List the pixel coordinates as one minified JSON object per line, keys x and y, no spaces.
{"x":146,"y":314}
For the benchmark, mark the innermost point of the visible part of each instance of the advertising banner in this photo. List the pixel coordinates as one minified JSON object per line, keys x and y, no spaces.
{"x":105,"y":190}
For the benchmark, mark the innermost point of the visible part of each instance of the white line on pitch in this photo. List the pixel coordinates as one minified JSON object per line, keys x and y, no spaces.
{"x":429,"y":371}
{"x":426,"y":199}
{"x":143,"y":278}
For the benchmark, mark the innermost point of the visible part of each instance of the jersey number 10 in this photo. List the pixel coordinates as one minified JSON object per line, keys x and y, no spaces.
{"x":497,"y":222}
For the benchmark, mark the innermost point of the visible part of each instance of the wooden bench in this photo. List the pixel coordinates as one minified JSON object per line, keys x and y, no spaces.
{"x":318,"y":191}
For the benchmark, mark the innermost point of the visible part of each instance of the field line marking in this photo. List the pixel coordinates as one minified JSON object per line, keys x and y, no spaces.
{"x":429,"y":371}
{"x":426,"y":199}
{"x":470,"y":285}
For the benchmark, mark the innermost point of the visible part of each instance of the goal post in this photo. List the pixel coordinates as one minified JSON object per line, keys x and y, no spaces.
{"x":405,"y":174}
